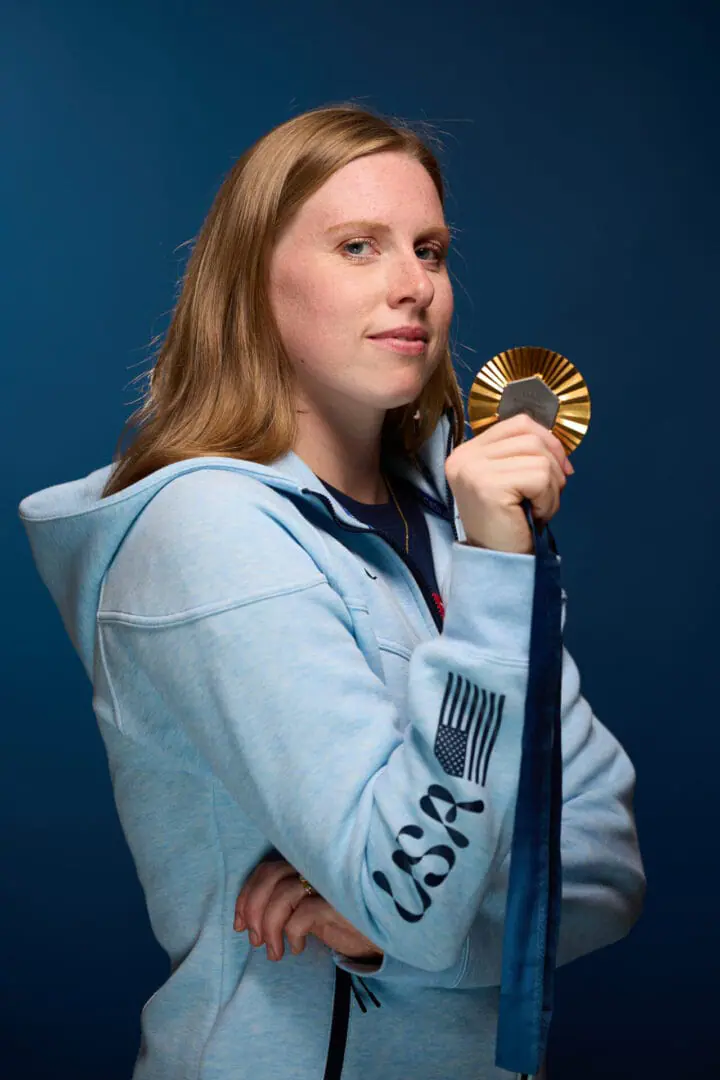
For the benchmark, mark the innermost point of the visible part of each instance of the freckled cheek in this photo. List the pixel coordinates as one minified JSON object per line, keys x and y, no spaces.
{"x":323,"y":310}
{"x":317,"y":316}
{"x":443,"y":302}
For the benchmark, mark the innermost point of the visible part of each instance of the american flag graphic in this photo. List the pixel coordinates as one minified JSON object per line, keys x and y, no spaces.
{"x":470,"y":720}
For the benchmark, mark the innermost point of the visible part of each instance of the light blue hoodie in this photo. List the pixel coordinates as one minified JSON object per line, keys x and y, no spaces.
{"x":268,"y":675}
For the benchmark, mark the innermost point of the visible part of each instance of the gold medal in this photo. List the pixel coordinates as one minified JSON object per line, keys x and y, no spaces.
{"x":542,"y":383}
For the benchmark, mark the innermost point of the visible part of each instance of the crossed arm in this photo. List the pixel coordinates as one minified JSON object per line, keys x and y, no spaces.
{"x":273,"y":903}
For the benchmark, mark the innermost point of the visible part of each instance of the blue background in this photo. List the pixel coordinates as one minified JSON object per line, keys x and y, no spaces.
{"x":580,"y":148}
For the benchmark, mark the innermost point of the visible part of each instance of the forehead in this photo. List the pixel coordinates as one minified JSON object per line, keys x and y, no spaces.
{"x":390,"y":187}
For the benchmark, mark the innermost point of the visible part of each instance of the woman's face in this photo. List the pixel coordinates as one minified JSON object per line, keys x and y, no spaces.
{"x":333,"y":285}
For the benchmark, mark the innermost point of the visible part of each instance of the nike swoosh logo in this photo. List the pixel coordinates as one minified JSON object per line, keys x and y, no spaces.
{"x":373,"y":576}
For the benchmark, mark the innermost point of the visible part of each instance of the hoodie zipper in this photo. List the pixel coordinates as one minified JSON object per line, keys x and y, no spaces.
{"x":344,"y":982}
{"x":449,"y":498}
{"x":343,"y":979}
{"x":428,"y":596}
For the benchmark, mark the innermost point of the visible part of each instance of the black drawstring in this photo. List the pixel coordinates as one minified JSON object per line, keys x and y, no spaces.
{"x":372,"y":997}
{"x":369,"y":992}
{"x":357,"y":996}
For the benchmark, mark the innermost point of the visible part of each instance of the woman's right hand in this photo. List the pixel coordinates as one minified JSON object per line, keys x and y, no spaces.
{"x":273,"y":902}
{"x":490,"y":475}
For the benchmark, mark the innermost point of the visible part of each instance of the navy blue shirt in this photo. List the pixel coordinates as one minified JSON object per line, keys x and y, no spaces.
{"x":385,"y":519}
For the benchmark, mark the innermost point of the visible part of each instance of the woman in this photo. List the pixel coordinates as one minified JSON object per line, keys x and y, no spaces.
{"x":304,"y":603}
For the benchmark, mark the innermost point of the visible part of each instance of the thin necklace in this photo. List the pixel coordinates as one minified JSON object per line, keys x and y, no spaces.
{"x":407,"y":531}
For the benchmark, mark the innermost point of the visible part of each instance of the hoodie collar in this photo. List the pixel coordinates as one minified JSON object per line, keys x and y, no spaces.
{"x":425,"y":471}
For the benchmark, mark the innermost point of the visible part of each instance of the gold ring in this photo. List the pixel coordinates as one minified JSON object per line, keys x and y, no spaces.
{"x":306,"y":885}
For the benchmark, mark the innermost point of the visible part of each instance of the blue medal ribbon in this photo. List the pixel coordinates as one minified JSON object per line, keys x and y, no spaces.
{"x":532,"y":916}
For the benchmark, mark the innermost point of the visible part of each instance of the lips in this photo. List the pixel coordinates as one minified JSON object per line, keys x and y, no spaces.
{"x":402,"y":345}
{"x":404,"y":333}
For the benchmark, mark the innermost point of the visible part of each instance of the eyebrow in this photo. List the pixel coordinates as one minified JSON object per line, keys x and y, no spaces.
{"x":439,"y":231}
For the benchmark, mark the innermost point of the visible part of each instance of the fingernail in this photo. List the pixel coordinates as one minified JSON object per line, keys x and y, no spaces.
{"x":239,"y":924}
{"x":272,"y":955}
{"x":254,"y":938}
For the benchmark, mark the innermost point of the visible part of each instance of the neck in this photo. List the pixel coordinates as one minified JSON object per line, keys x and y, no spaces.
{"x":348,"y":461}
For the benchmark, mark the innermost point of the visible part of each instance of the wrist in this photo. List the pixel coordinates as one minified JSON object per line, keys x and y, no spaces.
{"x":373,"y":957}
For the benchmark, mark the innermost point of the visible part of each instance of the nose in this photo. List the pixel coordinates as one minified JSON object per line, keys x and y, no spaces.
{"x":409,"y":281}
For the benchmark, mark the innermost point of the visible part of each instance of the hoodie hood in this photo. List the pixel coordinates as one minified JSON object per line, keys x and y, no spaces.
{"x":75,"y":534}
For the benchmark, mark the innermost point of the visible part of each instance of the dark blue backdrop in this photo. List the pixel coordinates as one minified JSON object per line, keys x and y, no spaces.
{"x":580,"y":151}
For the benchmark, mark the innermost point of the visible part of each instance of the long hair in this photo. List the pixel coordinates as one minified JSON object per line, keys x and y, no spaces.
{"x":222,"y":383}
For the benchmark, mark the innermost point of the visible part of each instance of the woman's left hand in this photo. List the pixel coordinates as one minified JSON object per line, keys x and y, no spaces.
{"x":273,"y":900}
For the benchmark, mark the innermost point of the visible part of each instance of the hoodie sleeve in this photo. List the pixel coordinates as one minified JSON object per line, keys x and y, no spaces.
{"x":603,"y":876}
{"x":268,"y":679}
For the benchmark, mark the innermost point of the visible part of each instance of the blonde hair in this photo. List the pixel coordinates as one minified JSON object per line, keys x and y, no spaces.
{"x":222,"y":383}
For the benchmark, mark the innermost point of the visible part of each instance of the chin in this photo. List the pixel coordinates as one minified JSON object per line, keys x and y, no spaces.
{"x":397,"y":401}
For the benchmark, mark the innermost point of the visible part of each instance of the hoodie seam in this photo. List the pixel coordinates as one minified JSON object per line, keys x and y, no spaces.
{"x":516,"y":664}
{"x":111,"y":689}
{"x":202,"y":611}
{"x":223,"y":948}
{"x":165,"y":622}
{"x":463,"y":965}
{"x":155,"y":480}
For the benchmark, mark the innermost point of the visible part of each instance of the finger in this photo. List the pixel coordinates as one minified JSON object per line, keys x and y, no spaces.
{"x":259,"y":894}
{"x":536,"y":468}
{"x":525,"y":445}
{"x":304,"y":920}
{"x":537,"y":479}
{"x":543,"y":492}
{"x":252,"y":881}
{"x":255,"y":894}
{"x":522,"y":424}
{"x":286,"y":897}
{"x":299,"y":946}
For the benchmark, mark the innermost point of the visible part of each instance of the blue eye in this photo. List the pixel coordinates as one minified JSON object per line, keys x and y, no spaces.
{"x":436,"y":252}
{"x":355,"y":243}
